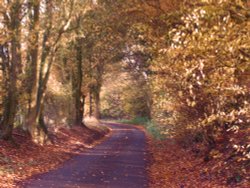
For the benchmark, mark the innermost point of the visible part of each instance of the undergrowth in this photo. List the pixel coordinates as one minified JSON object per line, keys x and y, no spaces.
{"x":149,"y":125}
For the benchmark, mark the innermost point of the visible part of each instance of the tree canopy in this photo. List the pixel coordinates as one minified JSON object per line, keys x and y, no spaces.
{"x":183,"y":67}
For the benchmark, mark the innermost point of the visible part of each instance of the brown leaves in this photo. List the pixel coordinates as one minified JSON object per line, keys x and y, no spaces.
{"x":173,"y":166}
{"x":18,"y":163}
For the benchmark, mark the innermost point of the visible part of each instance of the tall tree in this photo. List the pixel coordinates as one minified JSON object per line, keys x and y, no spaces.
{"x":11,"y":59}
{"x":77,"y":83}
{"x":52,"y":35}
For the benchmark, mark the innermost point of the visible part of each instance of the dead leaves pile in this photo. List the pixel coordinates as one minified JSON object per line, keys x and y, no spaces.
{"x":173,"y":166}
{"x":20,"y":162}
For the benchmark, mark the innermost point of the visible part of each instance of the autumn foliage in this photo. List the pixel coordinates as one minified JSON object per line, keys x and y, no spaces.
{"x":182,"y":67}
{"x":195,"y":60}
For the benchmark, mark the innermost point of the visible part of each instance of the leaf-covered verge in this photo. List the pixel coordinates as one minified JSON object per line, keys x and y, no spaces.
{"x":174,"y":166}
{"x":19,"y":162}
{"x":201,"y":95}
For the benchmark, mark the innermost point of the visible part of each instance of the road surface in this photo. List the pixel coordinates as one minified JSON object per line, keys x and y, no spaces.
{"x":118,"y":162}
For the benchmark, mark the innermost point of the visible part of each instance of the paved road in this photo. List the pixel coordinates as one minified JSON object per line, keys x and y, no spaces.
{"x":119,"y":162}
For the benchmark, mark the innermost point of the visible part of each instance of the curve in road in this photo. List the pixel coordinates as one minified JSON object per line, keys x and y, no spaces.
{"x":118,"y":162}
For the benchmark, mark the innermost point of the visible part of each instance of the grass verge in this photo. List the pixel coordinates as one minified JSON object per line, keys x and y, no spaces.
{"x":150,"y":126}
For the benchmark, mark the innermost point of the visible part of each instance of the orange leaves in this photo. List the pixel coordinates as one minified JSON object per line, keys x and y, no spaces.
{"x":173,"y":166}
{"x":28,"y":159}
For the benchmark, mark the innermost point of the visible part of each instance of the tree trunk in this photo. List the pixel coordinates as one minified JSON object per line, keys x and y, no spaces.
{"x":4,"y":55}
{"x":36,"y":125}
{"x":97,"y":88}
{"x":11,"y":102}
{"x":10,"y":109}
{"x":32,"y":55}
{"x":90,"y":104}
{"x":77,"y":85}
{"x":10,"y":106}
{"x":79,"y":108}
{"x":97,"y":104}
{"x":37,"y":88}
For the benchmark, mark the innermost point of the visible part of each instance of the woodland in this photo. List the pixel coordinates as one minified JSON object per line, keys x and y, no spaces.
{"x":178,"y":68}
